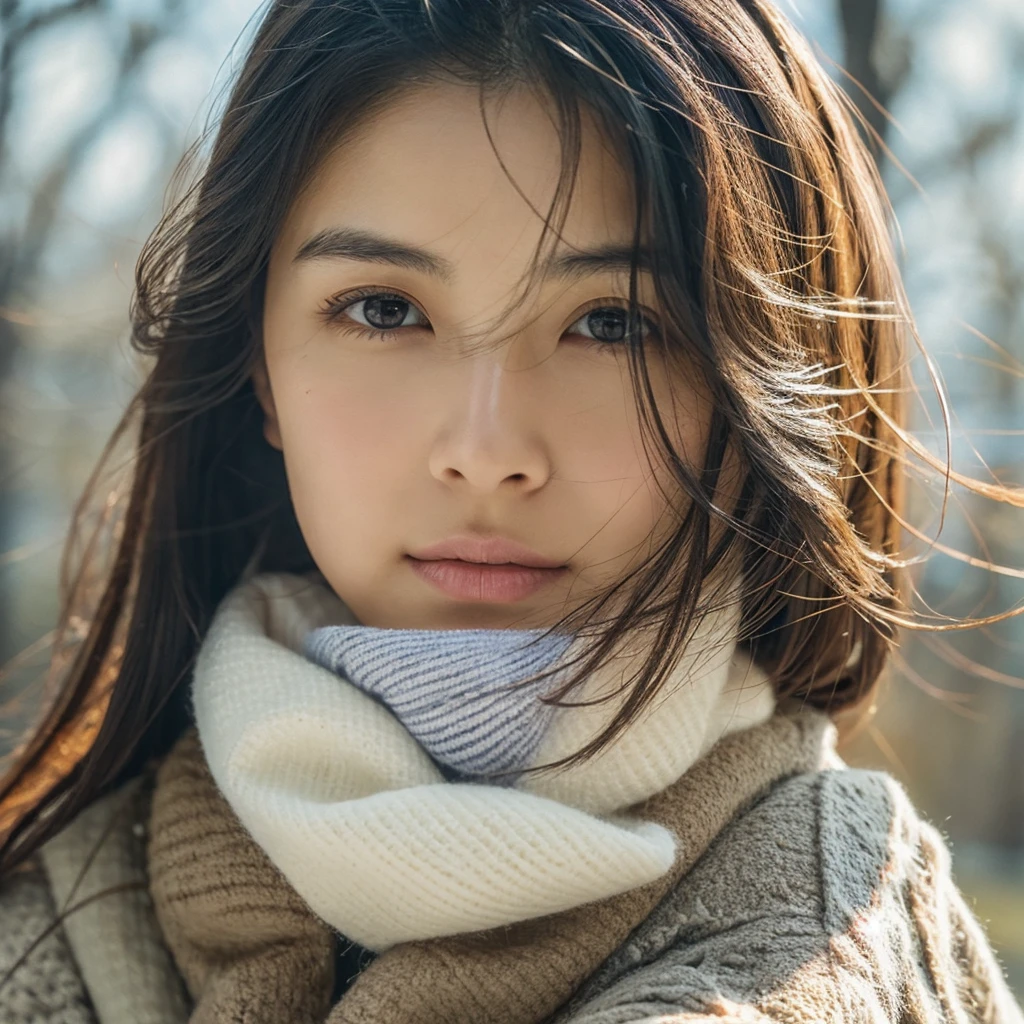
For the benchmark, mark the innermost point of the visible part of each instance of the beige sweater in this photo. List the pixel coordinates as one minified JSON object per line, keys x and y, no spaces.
{"x":806,"y":891}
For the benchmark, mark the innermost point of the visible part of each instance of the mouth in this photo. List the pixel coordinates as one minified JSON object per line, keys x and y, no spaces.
{"x":500,"y":583}
{"x":485,"y":569}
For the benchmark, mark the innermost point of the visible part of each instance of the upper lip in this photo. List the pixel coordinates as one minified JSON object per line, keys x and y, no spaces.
{"x":489,"y":550}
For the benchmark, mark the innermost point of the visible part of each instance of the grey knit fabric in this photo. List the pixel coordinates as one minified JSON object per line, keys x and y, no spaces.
{"x":454,"y":690}
{"x":828,"y":902}
{"x":47,"y":988}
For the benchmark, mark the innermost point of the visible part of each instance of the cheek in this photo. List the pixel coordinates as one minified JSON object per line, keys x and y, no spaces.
{"x":628,"y":487}
{"x":658,"y":506}
{"x":350,"y":450}
{"x":684,"y":406}
{"x":332,"y":429}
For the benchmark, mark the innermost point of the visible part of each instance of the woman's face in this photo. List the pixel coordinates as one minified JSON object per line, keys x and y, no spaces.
{"x":453,"y":464}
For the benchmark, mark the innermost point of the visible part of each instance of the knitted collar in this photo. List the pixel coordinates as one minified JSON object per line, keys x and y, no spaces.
{"x":357,"y":815}
{"x":452,"y":688}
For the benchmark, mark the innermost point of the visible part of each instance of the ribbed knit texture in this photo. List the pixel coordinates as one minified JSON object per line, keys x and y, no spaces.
{"x":242,"y":937}
{"x":358,"y":817}
{"x":452,"y":689}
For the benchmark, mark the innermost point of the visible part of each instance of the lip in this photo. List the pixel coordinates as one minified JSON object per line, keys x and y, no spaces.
{"x":488,"y":550}
{"x":484,"y":581}
{"x":493,"y":570}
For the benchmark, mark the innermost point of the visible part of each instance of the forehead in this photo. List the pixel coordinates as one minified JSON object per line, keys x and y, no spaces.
{"x":467,"y":175}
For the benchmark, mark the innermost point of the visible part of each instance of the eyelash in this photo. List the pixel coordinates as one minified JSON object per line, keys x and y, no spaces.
{"x":334,"y":308}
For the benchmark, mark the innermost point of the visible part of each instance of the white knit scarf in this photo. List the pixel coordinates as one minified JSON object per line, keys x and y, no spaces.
{"x":360,"y":820}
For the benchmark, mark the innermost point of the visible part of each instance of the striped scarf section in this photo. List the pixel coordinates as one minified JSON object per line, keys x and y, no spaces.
{"x":454,"y":690}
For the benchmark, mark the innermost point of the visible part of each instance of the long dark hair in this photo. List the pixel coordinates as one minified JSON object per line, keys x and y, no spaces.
{"x":769,"y":235}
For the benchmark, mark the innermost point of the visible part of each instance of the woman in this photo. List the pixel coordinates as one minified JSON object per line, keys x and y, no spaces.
{"x":516,"y":501}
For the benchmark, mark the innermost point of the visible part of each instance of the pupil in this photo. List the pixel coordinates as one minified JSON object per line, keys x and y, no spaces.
{"x":384,"y":313}
{"x":607,"y":324}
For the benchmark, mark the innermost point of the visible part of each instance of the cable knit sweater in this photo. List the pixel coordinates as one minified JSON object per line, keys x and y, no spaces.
{"x":810,"y":892}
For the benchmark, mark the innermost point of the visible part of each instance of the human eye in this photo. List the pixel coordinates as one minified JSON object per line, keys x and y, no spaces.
{"x":608,"y":325}
{"x":373,"y":312}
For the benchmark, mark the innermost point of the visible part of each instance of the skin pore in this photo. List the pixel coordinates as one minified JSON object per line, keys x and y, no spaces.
{"x":412,"y":407}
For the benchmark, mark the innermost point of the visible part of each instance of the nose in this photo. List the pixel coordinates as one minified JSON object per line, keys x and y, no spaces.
{"x":490,"y":439}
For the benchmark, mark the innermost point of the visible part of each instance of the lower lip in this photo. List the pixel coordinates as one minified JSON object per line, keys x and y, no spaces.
{"x":479,"y":581}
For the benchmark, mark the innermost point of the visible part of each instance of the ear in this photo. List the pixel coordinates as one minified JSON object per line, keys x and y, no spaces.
{"x":261,"y":385}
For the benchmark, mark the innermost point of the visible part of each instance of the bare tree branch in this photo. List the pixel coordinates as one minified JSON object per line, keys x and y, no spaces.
{"x":863,"y":24}
{"x":16,"y":35}
{"x":23,"y":248}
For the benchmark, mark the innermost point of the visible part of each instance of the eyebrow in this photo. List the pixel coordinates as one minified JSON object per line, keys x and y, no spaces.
{"x":369,"y":247}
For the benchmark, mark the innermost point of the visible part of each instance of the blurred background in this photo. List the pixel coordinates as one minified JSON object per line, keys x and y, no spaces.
{"x":99,"y":99}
